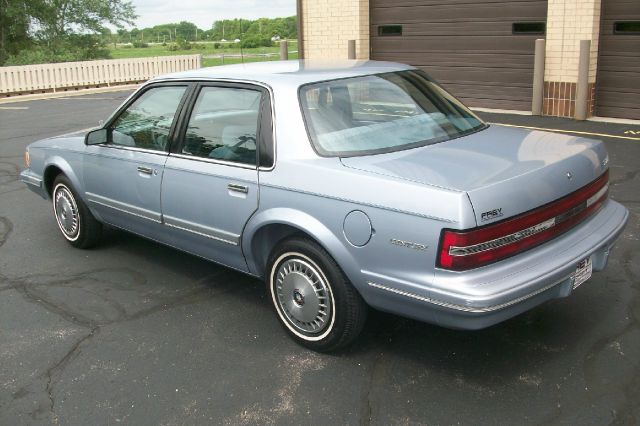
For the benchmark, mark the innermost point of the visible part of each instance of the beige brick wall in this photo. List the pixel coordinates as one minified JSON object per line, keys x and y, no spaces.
{"x":568,"y":22}
{"x":329,"y":24}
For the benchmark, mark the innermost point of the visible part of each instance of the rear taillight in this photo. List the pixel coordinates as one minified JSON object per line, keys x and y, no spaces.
{"x":462,"y":250}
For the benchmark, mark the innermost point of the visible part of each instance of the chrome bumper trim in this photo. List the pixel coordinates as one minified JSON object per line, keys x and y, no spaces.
{"x":467,"y":308}
{"x":30,"y":179}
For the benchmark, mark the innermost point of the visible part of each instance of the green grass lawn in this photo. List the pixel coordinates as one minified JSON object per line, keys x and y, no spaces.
{"x":121,"y":52}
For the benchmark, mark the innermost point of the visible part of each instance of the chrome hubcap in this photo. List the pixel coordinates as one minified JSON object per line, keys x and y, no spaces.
{"x":303,"y":296}
{"x":66,"y":212}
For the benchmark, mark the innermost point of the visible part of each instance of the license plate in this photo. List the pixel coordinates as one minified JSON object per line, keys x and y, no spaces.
{"x":583,"y":272}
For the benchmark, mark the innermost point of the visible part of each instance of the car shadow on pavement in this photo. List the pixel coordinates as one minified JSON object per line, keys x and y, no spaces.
{"x":549,"y":331}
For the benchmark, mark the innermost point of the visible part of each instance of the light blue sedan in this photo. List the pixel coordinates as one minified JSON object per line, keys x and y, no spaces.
{"x":342,"y":185}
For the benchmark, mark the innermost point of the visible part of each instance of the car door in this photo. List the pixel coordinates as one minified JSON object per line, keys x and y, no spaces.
{"x":210,"y":186}
{"x":123,"y":176}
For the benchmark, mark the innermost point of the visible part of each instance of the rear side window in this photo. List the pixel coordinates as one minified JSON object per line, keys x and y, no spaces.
{"x":224,"y":125}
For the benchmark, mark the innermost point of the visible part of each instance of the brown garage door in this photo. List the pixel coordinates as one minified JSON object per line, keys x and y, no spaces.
{"x":618,"y":78}
{"x":480,"y":50}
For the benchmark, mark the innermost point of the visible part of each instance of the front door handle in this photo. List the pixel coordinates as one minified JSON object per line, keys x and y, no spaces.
{"x":145,"y":170}
{"x":238,"y":188}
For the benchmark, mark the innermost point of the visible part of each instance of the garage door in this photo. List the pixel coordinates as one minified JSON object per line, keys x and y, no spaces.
{"x":480,"y":50}
{"x":618,"y":77}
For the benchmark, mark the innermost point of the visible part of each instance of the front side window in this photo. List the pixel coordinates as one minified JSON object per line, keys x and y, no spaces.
{"x":147,"y":121}
{"x":224,"y":125}
{"x":382,"y":113}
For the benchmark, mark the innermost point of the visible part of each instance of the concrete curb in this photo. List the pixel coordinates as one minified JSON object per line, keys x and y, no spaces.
{"x":594,"y":118}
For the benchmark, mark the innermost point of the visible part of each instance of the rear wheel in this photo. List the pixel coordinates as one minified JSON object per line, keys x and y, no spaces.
{"x":314,"y":300}
{"x":75,"y":221}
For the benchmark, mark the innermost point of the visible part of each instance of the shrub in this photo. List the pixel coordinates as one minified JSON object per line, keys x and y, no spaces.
{"x":183,"y":44}
{"x":255,"y":41}
{"x":140,"y":44}
{"x":71,"y":49}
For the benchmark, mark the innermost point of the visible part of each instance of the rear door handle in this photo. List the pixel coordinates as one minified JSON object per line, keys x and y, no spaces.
{"x":145,"y":170}
{"x":238,"y":188}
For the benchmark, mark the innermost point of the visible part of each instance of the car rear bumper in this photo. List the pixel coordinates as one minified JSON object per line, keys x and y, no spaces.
{"x":485,"y":296}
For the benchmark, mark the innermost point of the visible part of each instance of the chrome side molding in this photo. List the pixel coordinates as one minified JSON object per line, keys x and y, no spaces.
{"x":205,"y":231}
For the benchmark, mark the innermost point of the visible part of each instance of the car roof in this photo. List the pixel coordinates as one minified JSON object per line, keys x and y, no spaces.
{"x":296,"y":72}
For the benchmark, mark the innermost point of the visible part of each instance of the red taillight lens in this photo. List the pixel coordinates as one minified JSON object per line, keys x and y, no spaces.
{"x":461,"y":250}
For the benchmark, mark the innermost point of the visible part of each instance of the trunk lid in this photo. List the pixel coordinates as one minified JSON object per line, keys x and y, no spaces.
{"x":505,"y":171}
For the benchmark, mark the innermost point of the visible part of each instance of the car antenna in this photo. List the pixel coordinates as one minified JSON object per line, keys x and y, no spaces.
{"x":241,"y":38}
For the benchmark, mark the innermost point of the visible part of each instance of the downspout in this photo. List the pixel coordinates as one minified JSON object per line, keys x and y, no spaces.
{"x":300,"y":29}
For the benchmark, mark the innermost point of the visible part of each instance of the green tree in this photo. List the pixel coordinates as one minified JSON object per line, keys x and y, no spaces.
{"x":57,"y":18}
{"x":14,"y":27}
{"x":186,"y":30}
{"x":123,"y":35}
{"x":39,"y":30}
{"x":230,"y":29}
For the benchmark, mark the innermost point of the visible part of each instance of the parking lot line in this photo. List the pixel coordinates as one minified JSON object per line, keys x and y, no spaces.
{"x":604,"y":135}
{"x":82,"y":98}
{"x":74,"y":132}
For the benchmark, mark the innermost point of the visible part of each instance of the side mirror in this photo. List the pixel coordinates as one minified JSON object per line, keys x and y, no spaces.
{"x":96,"y":137}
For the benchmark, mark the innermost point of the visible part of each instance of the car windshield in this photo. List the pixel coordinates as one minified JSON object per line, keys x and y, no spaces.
{"x":382,"y":113}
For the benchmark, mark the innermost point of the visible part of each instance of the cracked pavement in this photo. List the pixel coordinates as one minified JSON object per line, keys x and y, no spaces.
{"x":133,"y":332}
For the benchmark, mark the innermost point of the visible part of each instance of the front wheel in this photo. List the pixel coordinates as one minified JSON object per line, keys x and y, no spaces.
{"x":314,"y":300}
{"x":75,"y":221}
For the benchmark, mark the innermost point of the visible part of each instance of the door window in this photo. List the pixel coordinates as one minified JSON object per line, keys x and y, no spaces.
{"x":224,"y":125}
{"x":147,"y":121}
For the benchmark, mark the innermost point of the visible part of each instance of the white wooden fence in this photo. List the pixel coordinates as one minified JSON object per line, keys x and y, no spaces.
{"x":66,"y":75}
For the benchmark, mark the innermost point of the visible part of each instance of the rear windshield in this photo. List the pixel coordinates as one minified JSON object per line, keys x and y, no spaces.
{"x":382,"y":113}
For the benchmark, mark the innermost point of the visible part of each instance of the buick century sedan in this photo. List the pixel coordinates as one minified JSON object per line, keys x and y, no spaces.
{"x":343,"y":185}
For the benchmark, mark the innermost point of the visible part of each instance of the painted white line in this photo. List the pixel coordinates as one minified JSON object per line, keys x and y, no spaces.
{"x":82,"y":98}
{"x":67,"y":94}
{"x":604,"y":135}
{"x":74,"y":132}
{"x":1,"y":107}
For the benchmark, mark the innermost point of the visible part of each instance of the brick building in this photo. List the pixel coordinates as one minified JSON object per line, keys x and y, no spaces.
{"x":483,"y":50}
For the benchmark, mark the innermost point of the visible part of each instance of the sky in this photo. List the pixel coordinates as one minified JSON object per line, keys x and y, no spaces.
{"x":204,"y":12}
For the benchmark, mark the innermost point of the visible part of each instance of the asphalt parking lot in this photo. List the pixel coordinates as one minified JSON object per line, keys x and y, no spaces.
{"x":133,"y":332}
